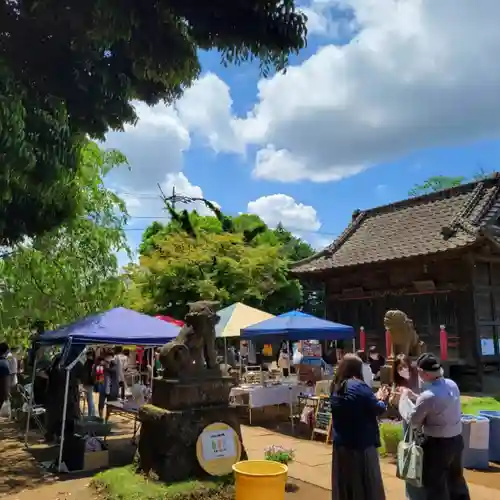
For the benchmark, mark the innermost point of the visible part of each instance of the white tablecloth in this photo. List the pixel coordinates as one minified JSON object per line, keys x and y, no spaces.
{"x":259,"y":396}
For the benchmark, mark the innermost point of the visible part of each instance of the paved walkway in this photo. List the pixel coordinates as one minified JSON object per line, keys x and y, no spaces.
{"x":313,"y":464}
{"x":19,"y":470}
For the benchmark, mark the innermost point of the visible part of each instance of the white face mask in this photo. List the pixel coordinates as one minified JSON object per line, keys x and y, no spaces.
{"x":374,"y":356}
{"x":404,"y":373}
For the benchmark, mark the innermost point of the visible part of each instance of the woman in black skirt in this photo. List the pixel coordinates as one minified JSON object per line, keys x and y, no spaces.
{"x":356,"y":471}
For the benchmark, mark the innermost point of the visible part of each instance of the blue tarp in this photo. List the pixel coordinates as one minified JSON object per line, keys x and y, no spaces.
{"x":118,"y":326}
{"x":296,"y":325}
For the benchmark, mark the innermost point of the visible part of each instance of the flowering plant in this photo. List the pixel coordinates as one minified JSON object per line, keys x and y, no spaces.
{"x":279,"y":454}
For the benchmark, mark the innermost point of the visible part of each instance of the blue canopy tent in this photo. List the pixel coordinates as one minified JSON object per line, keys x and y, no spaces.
{"x":295,"y":326}
{"x":118,"y":326}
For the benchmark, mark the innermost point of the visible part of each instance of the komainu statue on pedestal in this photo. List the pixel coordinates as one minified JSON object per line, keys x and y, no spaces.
{"x":404,"y":338}
{"x":193,"y":349}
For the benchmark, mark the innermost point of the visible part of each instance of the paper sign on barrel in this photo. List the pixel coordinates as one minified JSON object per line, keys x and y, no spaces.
{"x":218,"y":448}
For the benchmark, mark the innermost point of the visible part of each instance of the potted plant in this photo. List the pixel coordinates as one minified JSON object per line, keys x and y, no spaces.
{"x":279,"y":454}
{"x":284,"y":456}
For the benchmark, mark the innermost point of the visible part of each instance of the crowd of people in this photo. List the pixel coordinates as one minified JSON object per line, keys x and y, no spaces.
{"x":103,"y":376}
{"x":434,"y":418}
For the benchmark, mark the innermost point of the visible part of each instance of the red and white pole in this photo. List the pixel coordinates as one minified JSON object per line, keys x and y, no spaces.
{"x":388,"y":343}
{"x":443,"y":343}
{"x":362,"y":338}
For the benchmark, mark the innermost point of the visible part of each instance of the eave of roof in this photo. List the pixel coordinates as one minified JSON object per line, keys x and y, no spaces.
{"x":460,"y":224}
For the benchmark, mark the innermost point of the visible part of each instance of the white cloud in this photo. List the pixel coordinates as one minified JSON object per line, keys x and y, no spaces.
{"x":183,"y":187}
{"x":331,"y":19}
{"x":282,"y":208}
{"x":316,"y":22}
{"x":207,"y":107}
{"x":153,"y":147}
{"x":416,"y":74}
{"x":283,"y":166}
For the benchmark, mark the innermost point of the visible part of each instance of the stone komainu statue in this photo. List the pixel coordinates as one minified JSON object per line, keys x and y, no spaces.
{"x":404,"y":338}
{"x":195,"y":345}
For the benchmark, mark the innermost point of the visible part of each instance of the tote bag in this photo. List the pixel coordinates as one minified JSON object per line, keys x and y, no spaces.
{"x":5,"y":410}
{"x":410,"y":460}
{"x":409,"y":455}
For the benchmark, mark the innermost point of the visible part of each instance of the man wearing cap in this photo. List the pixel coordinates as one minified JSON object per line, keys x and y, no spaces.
{"x":438,"y":412}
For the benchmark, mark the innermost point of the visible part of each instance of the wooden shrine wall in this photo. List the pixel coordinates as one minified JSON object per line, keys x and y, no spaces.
{"x":362,"y":296}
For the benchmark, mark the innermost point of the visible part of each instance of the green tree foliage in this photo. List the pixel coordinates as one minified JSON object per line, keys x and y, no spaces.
{"x":440,"y":182}
{"x":72,"y":68}
{"x":72,"y":271}
{"x":436,"y":183}
{"x":176,"y":268}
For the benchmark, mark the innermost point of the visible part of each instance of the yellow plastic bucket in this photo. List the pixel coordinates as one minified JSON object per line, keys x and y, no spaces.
{"x":260,"y":479}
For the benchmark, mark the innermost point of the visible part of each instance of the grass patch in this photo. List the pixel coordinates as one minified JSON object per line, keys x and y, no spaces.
{"x":123,"y":483}
{"x":473,"y":405}
{"x":391,"y":433}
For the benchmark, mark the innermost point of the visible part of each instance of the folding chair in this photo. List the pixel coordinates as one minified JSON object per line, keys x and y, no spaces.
{"x":37,"y":411}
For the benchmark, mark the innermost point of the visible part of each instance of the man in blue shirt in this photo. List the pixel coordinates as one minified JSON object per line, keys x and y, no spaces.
{"x":438,"y":412}
{"x":4,"y":374}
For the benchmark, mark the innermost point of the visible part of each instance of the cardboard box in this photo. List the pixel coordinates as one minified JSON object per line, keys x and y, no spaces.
{"x":94,"y":460}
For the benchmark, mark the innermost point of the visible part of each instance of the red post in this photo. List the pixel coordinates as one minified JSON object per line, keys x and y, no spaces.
{"x":140,"y":354}
{"x":362,"y":338}
{"x":388,"y":344}
{"x":443,"y":342}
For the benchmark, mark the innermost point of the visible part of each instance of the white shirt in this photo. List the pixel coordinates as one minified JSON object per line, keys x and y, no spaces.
{"x":367,"y":375}
{"x":297,"y":358}
{"x":284,"y":360}
{"x":119,"y":368}
{"x":12,"y":361}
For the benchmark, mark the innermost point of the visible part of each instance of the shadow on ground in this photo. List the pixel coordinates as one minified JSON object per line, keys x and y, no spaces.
{"x":21,"y":469}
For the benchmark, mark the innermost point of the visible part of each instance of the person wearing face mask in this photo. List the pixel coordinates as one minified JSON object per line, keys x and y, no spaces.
{"x":366,"y":370}
{"x":376,"y":361}
{"x":405,"y":379}
{"x":404,"y":376}
{"x":438,"y":413}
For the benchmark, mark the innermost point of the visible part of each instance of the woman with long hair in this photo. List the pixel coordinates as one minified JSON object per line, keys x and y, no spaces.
{"x":356,"y":471}
{"x":405,"y":378}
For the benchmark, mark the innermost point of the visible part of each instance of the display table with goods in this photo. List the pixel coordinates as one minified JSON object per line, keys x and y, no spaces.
{"x":129,"y":409}
{"x":270,"y":393}
{"x":308,"y":360}
{"x":130,"y":412}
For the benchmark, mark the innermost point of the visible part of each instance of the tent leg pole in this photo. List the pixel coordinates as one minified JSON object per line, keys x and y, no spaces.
{"x":225,"y":351}
{"x":153,"y":362}
{"x":63,"y":426}
{"x":31,"y":397}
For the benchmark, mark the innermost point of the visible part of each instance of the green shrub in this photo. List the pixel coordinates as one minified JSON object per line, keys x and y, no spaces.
{"x":391,"y":433}
{"x":279,"y":454}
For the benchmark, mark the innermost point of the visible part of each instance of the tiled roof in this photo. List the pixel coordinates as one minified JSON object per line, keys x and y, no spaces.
{"x":429,"y":224}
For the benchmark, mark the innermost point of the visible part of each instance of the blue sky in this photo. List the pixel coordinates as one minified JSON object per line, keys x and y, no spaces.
{"x":386,"y":94}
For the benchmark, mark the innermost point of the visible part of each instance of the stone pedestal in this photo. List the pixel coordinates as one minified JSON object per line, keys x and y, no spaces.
{"x":170,"y":427}
{"x":167,"y":445}
{"x":192,"y":393}
{"x":386,"y":372}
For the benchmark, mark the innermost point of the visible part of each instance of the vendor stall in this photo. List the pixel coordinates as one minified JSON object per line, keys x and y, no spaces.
{"x":259,"y":396}
{"x":118,"y":326}
{"x":234,"y":318}
{"x":298,"y":327}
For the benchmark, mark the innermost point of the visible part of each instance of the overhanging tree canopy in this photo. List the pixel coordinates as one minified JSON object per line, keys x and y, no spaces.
{"x":70,"y":68}
{"x":72,"y":271}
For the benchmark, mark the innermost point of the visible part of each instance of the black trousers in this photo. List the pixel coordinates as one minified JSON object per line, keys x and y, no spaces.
{"x":443,"y":473}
